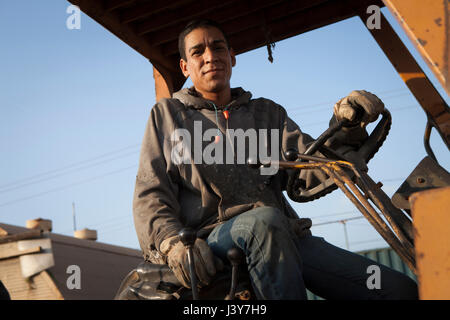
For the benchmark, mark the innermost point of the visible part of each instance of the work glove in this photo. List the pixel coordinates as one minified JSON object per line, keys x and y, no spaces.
{"x":355,"y":158}
{"x":177,"y":259}
{"x":301,"y":226}
{"x":348,"y":107}
{"x":360,"y":108}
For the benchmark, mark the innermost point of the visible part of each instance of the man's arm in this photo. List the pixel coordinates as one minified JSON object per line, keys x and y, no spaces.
{"x":156,"y":208}
{"x":359,"y":108}
{"x":293,"y":138}
{"x":344,"y":142}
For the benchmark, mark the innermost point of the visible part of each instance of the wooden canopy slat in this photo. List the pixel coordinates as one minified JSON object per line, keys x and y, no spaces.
{"x":110,"y":21}
{"x":193,"y":11}
{"x":152,"y":27}
{"x":293,"y":24}
{"x":149,"y":9}
{"x":238,"y":13}
{"x":111,"y":5}
{"x":260,"y":21}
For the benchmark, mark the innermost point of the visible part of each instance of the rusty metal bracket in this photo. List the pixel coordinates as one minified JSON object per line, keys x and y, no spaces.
{"x":427,"y":175}
{"x":395,"y":228}
{"x":426,"y":141}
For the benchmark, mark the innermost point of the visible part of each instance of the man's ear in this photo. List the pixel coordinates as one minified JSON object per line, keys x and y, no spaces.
{"x":233,"y":57}
{"x":183,"y":67}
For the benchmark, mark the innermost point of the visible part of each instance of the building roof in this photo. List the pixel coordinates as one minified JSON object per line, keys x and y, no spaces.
{"x":103,"y":266}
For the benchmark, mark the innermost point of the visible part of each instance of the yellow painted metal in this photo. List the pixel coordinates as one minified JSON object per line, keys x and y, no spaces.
{"x":434,"y":105}
{"x":426,"y":22}
{"x":163,"y":89}
{"x":431,"y":218}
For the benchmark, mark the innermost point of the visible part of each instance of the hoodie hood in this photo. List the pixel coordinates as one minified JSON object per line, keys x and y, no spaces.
{"x":192,"y":99}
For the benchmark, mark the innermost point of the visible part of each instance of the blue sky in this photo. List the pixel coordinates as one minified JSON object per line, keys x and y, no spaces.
{"x":74,"y":104}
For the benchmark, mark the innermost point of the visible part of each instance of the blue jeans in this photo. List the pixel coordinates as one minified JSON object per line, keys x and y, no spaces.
{"x":282,"y":265}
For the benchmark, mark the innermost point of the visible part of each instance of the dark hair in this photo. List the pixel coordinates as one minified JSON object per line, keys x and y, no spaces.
{"x":195,"y":24}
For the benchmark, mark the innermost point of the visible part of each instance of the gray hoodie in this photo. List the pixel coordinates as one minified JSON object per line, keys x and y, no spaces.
{"x":172,"y":194}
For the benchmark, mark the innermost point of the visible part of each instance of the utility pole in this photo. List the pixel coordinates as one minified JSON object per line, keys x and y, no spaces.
{"x":344,"y":223}
{"x":73,"y":215}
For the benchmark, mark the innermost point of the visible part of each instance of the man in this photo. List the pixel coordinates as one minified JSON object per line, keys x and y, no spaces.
{"x":231,"y":204}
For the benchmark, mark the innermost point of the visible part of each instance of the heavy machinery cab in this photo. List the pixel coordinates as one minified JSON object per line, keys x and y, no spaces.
{"x":151,"y":28}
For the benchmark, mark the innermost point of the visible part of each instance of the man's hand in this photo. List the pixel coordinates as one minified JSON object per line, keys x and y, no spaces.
{"x":301,"y":226}
{"x":347,"y":108}
{"x":177,"y":260}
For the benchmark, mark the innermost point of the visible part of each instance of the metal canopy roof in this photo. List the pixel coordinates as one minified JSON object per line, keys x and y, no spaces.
{"x":152,"y":27}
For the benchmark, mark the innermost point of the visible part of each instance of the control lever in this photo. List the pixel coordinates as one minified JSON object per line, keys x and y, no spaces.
{"x":291,"y":154}
{"x":188,"y":237}
{"x":236,"y":256}
{"x":253,"y":163}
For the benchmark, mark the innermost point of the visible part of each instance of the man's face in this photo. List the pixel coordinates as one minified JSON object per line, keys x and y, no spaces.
{"x":208,"y":60}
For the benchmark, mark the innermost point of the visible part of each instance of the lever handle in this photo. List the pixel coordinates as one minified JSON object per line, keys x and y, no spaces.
{"x":291,"y":154}
{"x":187,"y":237}
{"x":236,"y":256}
{"x":253,"y":163}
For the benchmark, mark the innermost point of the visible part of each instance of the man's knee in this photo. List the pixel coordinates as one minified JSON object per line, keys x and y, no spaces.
{"x":260,"y":225}
{"x":400,"y":287}
{"x":264,"y":219}
{"x":404,"y":289}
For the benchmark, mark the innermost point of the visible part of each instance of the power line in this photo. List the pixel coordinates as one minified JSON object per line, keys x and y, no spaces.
{"x":333,"y":102}
{"x":65,"y":173}
{"x":125,"y":222}
{"x":328,"y":107}
{"x":327,"y":121}
{"x":112,"y":222}
{"x":124,"y":226}
{"x":335,"y":214}
{"x":360,"y":224}
{"x":336,"y":221}
{"x":65,"y":187}
{"x":393,"y":179}
{"x":367,"y":241}
{"x":10,"y":184}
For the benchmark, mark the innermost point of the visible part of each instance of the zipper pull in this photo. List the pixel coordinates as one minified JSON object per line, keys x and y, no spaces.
{"x":226,"y":114}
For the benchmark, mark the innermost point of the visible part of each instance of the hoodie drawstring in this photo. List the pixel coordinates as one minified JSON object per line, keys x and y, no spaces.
{"x":226,"y":114}
{"x":216,"y":140}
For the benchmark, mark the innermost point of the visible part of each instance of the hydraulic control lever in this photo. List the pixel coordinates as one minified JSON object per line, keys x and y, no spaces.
{"x":236,"y":257}
{"x":188,"y":237}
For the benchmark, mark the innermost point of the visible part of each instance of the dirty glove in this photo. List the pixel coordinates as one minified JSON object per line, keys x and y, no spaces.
{"x":301,"y":226}
{"x":177,"y":259}
{"x":355,"y":158}
{"x":347,"y":108}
